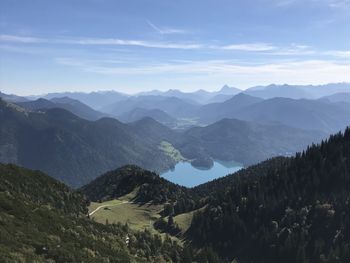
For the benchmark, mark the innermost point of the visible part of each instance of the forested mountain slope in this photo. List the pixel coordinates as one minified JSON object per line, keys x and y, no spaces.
{"x":71,"y":149}
{"x":42,"y":220}
{"x":294,"y":210}
{"x":247,"y":142}
{"x":303,"y":114}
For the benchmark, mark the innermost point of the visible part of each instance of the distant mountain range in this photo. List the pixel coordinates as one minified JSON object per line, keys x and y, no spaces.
{"x":76,"y":107}
{"x":298,"y":91}
{"x":137,"y":114}
{"x":171,"y":105}
{"x":321,"y":115}
{"x":327,"y":114}
{"x":75,"y":150}
{"x":74,"y":142}
{"x":95,"y":100}
{"x":199,"y":96}
{"x":338,"y":97}
{"x":178,"y":109}
{"x":302,"y":113}
{"x":101,"y":99}
{"x":216,"y":111}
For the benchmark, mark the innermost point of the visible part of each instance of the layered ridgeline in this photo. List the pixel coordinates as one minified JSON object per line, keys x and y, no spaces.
{"x":245,"y":142}
{"x":42,"y":220}
{"x":281,"y":210}
{"x":76,"y":107}
{"x":75,"y":150}
{"x":156,"y":114}
{"x":72,"y":149}
{"x":322,"y":115}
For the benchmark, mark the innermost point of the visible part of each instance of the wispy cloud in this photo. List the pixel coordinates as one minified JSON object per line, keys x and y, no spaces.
{"x":339,"y":53}
{"x":166,"y":30}
{"x":250,"y":47}
{"x":305,"y":71}
{"x":20,"y":39}
{"x":102,"y":41}
{"x":140,"y":43}
{"x":28,"y":45}
{"x":336,"y":3}
{"x":247,"y":47}
{"x":330,"y":3}
{"x":294,"y":50}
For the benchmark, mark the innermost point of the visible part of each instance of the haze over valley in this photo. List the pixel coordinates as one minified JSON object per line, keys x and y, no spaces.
{"x":158,"y":131}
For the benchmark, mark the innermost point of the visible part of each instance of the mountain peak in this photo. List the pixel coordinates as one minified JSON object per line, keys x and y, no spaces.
{"x":225,"y":87}
{"x":227,"y":90}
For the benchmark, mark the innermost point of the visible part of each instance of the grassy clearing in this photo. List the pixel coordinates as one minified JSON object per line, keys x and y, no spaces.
{"x":138,"y":217}
{"x":123,"y":210}
{"x":169,"y":150}
{"x":184,"y":221}
{"x":95,"y":205}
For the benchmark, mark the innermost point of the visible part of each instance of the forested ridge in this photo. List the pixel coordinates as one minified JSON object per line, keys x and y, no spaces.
{"x":295,"y":212}
{"x":149,"y":185}
{"x":42,"y":220}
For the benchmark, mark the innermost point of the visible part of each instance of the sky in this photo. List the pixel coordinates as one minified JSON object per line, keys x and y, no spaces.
{"x":140,"y":45}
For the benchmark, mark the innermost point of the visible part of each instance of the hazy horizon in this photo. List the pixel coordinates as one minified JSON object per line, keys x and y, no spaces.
{"x":160,"y":90}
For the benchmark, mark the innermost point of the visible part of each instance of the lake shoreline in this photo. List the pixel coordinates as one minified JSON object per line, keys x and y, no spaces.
{"x":185,"y":174}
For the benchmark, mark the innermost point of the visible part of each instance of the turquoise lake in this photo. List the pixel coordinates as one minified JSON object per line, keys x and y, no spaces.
{"x":186,"y":175}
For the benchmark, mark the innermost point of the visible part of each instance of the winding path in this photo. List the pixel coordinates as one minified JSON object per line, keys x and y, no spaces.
{"x":101,"y":206}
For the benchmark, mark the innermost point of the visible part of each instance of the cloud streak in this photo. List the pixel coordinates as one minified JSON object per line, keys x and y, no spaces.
{"x":101,"y":41}
{"x":166,"y":30}
{"x":339,"y":53}
{"x":297,"y":72}
{"x":20,"y":39}
{"x":339,"y":4}
{"x":27,"y":44}
{"x":257,"y":47}
{"x":139,"y":43}
{"x":245,"y":47}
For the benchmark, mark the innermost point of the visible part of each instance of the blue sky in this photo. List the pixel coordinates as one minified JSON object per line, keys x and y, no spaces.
{"x":138,"y":45}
